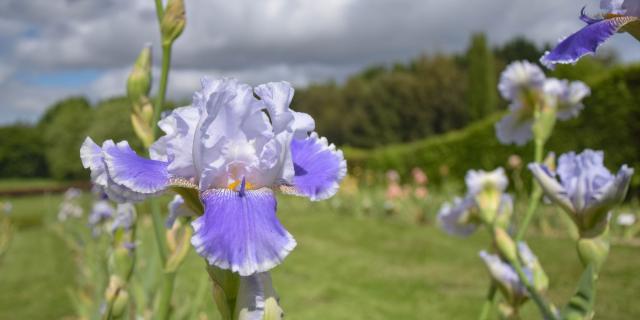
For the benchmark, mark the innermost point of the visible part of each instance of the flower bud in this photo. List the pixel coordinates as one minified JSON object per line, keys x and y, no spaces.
{"x":120,"y":304}
{"x":173,"y":21}
{"x":115,"y":285}
{"x":139,"y":81}
{"x":544,"y":123}
{"x":121,"y":262}
{"x":272,"y":310}
{"x":594,"y":250}
{"x":505,"y":244}
{"x":142,"y":128}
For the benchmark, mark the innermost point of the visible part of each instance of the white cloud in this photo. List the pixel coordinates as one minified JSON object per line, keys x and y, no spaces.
{"x":255,"y":41}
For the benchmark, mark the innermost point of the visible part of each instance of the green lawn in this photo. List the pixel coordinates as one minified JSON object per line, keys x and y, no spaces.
{"x":345,"y":267}
{"x":19,"y":184}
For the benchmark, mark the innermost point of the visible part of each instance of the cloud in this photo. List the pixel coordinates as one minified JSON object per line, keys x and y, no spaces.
{"x":256,"y":41}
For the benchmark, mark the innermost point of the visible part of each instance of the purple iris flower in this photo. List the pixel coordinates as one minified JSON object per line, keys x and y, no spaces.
{"x":617,"y":15}
{"x":507,"y":279}
{"x":525,"y":86}
{"x":233,"y":149}
{"x":101,"y":211}
{"x":124,"y":218}
{"x":587,"y":191}
{"x":178,"y":208}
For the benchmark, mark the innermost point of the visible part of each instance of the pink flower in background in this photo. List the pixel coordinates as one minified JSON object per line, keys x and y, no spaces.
{"x":421,"y":192}
{"x":394,"y":191}
{"x":515,"y":162}
{"x":419,"y":177}
{"x":392,"y":176}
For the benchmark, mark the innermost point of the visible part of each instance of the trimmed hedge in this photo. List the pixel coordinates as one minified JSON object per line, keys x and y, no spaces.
{"x":609,"y":122}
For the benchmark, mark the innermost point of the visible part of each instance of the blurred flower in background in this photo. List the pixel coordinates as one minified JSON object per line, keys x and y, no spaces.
{"x":419,"y":176}
{"x":529,"y":92}
{"x":626,"y":219}
{"x":70,"y":206}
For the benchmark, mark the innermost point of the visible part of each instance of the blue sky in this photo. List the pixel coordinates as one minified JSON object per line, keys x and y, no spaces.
{"x":53,"y":49}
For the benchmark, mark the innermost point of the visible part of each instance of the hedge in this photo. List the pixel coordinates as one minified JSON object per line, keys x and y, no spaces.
{"x":609,"y":122}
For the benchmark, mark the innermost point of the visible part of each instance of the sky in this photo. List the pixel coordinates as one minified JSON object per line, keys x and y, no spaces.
{"x":51,"y":49}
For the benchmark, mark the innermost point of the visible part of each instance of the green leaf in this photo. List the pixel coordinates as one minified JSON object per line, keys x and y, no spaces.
{"x":580,"y":306}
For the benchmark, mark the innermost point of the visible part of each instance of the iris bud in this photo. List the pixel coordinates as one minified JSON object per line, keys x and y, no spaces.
{"x":139,"y":81}
{"x":173,"y":21}
{"x":505,"y":244}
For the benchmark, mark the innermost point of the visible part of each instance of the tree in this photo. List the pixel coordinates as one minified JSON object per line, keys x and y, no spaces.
{"x":482,"y":95}
{"x":63,"y":127}
{"x":22,"y":152}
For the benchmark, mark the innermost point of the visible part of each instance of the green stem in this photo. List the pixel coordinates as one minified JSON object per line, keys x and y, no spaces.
{"x":159,"y":10}
{"x":196,"y":304}
{"x":163,"y":308}
{"x":535,"y":196}
{"x":543,"y":305}
{"x":162,"y":91}
{"x":488,"y":303}
{"x":159,"y":230}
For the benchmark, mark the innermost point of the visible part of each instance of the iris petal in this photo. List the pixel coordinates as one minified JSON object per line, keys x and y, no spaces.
{"x":552,"y":188}
{"x":318,"y":167}
{"x":585,"y":41}
{"x":93,"y":158}
{"x":139,"y":174}
{"x":241,"y":233}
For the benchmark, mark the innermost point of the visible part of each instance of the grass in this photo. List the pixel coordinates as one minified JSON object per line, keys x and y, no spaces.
{"x":345,"y":267}
{"x":20,"y":184}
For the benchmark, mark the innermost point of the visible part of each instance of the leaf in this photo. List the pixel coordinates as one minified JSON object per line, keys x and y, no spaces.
{"x":580,"y":306}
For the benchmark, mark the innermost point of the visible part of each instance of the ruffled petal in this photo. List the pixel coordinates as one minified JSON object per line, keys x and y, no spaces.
{"x":277,"y":97}
{"x":606,"y":197}
{"x":570,"y":102}
{"x":629,"y":8}
{"x":239,"y":231}
{"x":93,"y":158}
{"x":513,"y":128}
{"x":139,"y":174}
{"x":319,"y":168}
{"x":478,"y":180}
{"x":552,"y":188}
{"x":176,"y":146}
{"x":585,"y":41}
{"x":231,"y":118}
{"x":454,"y":218}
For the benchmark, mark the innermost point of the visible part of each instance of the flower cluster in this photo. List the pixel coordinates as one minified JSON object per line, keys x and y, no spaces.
{"x":233,"y":147}
{"x":527,"y":89}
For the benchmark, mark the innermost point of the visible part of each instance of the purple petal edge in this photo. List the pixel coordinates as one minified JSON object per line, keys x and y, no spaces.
{"x":585,"y":41}
{"x":139,"y":174}
{"x":318,"y":167}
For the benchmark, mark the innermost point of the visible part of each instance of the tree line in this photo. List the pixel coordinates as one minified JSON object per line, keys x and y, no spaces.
{"x":381,"y":105}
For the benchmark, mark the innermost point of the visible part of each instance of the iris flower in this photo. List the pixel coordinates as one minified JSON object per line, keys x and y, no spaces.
{"x":462,"y":216}
{"x":124,"y":217}
{"x":235,"y":146}
{"x":507,"y":279}
{"x":587,"y":191}
{"x":527,"y":89}
{"x":618,"y":16}
{"x":101,"y":211}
